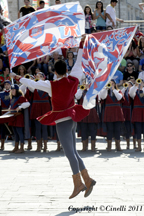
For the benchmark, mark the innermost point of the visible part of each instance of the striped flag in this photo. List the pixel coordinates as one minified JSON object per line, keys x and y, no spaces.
{"x":44,"y":31}
{"x":102,"y":55}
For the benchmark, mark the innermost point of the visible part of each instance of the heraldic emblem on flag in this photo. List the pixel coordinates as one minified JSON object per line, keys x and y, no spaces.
{"x":43,"y":32}
{"x":102,"y":55}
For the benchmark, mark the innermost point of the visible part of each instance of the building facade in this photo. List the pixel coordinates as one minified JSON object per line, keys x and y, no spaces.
{"x":126,"y":9}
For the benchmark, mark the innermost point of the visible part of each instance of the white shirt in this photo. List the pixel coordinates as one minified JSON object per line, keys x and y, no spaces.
{"x":111,"y":11}
{"x":46,"y":85}
{"x":141,"y":75}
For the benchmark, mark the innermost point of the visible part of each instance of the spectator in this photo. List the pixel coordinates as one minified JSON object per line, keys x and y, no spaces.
{"x":88,"y":19}
{"x":137,"y":35}
{"x":41,"y":5}
{"x":100,"y":15}
{"x":75,"y":51}
{"x":5,"y":75}
{"x":118,"y":78}
{"x":22,"y":70}
{"x":109,"y":28}
{"x":42,"y":63}
{"x":26,"y":9}
{"x":32,"y":67}
{"x":140,"y":48}
{"x":141,"y":65}
{"x":122,"y":65}
{"x":130,"y":72}
{"x":70,"y":61}
{"x":131,"y":54}
{"x":57,"y":1}
{"x":51,"y":65}
{"x":141,"y":6}
{"x":111,"y":14}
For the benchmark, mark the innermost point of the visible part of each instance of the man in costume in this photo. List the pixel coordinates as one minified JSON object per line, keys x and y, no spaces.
{"x":65,"y":113}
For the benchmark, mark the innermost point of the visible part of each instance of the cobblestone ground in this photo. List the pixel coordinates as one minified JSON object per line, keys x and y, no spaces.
{"x":34,"y":184}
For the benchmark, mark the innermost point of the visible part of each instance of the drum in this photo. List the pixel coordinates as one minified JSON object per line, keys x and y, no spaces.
{"x":8,"y":117}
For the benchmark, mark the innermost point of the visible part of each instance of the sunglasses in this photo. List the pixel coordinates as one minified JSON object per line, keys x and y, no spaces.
{"x":129,"y":65}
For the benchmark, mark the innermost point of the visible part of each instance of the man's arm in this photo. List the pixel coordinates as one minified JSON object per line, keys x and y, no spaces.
{"x":77,"y":68}
{"x":109,"y":17}
{"x":141,"y":6}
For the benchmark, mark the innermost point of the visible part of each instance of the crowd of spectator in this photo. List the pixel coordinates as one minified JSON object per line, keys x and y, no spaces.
{"x":97,"y":20}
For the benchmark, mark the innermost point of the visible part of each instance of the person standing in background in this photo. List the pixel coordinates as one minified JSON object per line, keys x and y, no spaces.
{"x":26,"y":9}
{"x":41,"y":5}
{"x":88,"y":19}
{"x":111,"y":14}
{"x":100,"y":15}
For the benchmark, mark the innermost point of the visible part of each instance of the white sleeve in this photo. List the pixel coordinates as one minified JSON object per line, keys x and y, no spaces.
{"x":117,"y":94}
{"x":108,"y":10}
{"x":132,"y":91}
{"x":140,"y":76}
{"x":78,"y":94}
{"x":23,"y":89}
{"x":123,"y":90}
{"x":103,"y":93}
{"x":24,"y":105}
{"x":77,"y":68}
{"x":41,"y":85}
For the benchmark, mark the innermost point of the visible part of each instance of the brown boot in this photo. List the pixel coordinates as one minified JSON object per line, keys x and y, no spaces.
{"x":58,"y":146}
{"x":78,"y":185}
{"x":109,"y":145}
{"x":15,"y":148}
{"x":38,"y":146}
{"x":134,"y":143}
{"x":2,"y":144}
{"x":45,"y":146}
{"x":85,"y":143}
{"x":118,"y":148}
{"x":128,"y":143}
{"x":93,"y":145}
{"x":21,"y":150}
{"x":29,"y":145}
{"x":139,"y":145}
{"x":89,"y":182}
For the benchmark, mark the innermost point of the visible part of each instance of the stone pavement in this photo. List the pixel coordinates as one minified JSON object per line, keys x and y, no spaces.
{"x":39,"y":184}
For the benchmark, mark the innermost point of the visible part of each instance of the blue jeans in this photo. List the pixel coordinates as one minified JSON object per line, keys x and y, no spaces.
{"x":40,"y":131}
{"x":18,"y":133}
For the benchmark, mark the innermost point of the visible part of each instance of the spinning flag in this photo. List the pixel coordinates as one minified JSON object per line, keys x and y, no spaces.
{"x":43,"y":32}
{"x":102,"y":55}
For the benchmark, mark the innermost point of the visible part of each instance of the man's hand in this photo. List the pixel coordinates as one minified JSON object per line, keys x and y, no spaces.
{"x":12,"y":75}
{"x":18,"y":109}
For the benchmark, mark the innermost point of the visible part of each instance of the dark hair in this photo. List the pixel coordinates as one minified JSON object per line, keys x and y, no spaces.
{"x":134,"y":44}
{"x":41,"y":2}
{"x":101,"y":6}
{"x":60,"y":67}
{"x":114,"y":1}
{"x":109,"y":27}
{"x":87,"y":6}
{"x":140,"y":43}
{"x":18,"y":94}
{"x":70,"y":52}
{"x":27,"y":0}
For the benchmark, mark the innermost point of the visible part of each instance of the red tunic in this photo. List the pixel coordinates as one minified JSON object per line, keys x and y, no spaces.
{"x":126,"y":106}
{"x":113,"y":111}
{"x":18,"y":120}
{"x":138,"y":108}
{"x":63,"y":105}
{"x":93,"y":116}
{"x":40,"y":104}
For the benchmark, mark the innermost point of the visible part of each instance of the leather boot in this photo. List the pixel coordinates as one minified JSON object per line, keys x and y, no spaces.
{"x":78,"y":185}
{"x":58,"y":146}
{"x":2,"y":144}
{"x":84,"y":145}
{"x":38,"y":146}
{"x":45,"y":146}
{"x":128,"y":143}
{"x":109,"y":145}
{"x":93,"y":145}
{"x":134,"y":143}
{"x":29,"y":145}
{"x":139,"y":145}
{"x":89,"y":182}
{"x":21,"y":150}
{"x":15,"y":148}
{"x":118,"y":148}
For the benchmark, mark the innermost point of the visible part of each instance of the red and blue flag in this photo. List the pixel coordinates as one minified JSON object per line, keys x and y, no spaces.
{"x":43,"y":32}
{"x":102,"y":55}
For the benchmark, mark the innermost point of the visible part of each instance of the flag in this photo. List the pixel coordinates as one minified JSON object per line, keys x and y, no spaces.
{"x":4,"y":5}
{"x":44,"y":31}
{"x":102,"y":55}
{"x":35,"y":3}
